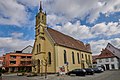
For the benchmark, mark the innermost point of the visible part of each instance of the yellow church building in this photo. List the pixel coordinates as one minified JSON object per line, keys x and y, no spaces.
{"x":55,"y":49}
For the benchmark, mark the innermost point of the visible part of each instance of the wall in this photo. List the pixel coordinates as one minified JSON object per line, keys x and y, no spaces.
{"x":60,"y":57}
{"x":27,"y":50}
{"x":115,"y":62}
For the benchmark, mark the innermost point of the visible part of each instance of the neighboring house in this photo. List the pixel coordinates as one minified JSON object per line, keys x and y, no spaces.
{"x":14,"y":62}
{"x":1,"y":62}
{"x":109,"y":58}
{"x":18,"y":60}
{"x":94,"y":60}
{"x":115,"y":51}
{"x":56,"y":49}
{"x":27,"y":49}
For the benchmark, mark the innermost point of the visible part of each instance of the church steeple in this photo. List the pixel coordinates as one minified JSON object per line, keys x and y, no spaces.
{"x":40,"y":6}
{"x":40,"y":21}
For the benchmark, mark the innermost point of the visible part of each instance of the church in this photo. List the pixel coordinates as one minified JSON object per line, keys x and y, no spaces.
{"x":53,"y":49}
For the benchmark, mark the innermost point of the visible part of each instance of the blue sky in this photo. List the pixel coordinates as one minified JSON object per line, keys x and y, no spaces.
{"x":92,"y":21}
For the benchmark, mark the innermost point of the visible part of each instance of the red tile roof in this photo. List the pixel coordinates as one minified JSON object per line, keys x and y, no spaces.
{"x":105,"y":53}
{"x":67,"y":41}
{"x":94,"y":58}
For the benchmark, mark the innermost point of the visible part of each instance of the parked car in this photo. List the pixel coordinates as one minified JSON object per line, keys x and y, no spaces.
{"x":77,"y":72}
{"x":89,"y":71}
{"x":98,"y":70}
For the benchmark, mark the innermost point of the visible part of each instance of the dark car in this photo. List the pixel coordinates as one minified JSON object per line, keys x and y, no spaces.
{"x":0,"y":74}
{"x":89,"y":71}
{"x":77,"y":72}
{"x":98,"y":70}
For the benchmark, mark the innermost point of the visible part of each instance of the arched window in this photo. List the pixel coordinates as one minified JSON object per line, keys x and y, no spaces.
{"x":65,"y":57}
{"x":49,"y":58}
{"x":39,"y":48}
{"x":82,"y":56}
{"x":73,"y":59}
{"x":78,"y":58}
{"x":86,"y":57}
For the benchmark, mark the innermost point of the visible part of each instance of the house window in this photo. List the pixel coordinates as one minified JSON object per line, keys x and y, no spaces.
{"x":73,"y":59}
{"x":82,"y":56}
{"x":42,"y":17}
{"x":112,"y":59}
{"x":65,"y":57}
{"x":112,"y":66}
{"x":49,"y":58}
{"x":29,"y":57}
{"x":78,"y":58}
{"x":23,"y":57}
{"x":100,"y":60}
{"x":107,"y":60}
{"x":12,"y":62}
{"x":13,"y":57}
{"x":113,"y":51}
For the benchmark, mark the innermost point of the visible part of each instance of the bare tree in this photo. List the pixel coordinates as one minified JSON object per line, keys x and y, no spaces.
{"x":45,"y":63}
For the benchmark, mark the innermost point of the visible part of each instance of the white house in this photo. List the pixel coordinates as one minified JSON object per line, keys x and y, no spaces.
{"x":109,"y":58}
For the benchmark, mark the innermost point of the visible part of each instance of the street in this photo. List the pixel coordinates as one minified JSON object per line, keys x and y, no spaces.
{"x":106,"y":75}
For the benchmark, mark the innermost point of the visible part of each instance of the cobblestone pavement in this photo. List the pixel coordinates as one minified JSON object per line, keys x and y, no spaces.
{"x":107,"y":75}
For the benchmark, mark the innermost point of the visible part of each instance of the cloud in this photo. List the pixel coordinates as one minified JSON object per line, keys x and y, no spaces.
{"x":75,"y":30}
{"x":29,"y":3}
{"x":15,"y":12}
{"x":97,"y":46}
{"x":8,"y":44}
{"x":82,"y":32}
{"x":103,"y":29}
{"x":12,"y":13}
{"x":16,"y":35}
{"x":82,"y":8}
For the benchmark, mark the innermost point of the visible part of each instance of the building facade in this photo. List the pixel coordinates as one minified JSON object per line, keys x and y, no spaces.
{"x":109,"y":58}
{"x":55,"y":49}
{"x":14,"y":62}
{"x":94,"y":60}
{"x":18,"y":60}
{"x":1,"y":62}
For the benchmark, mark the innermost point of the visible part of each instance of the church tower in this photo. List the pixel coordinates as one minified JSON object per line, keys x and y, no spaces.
{"x":40,"y":23}
{"x":39,"y":45}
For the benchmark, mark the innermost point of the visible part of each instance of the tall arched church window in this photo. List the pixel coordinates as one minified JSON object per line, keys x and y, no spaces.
{"x":65,"y":57}
{"x":49,"y":57}
{"x":39,"y":48}
{"x":78,"y":58}
{"x":73,"y":59}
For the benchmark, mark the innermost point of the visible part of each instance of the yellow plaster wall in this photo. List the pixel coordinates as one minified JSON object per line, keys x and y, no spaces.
{"x":60,"y":57}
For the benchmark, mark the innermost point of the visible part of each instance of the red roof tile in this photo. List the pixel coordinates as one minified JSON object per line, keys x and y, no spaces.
{"x":105,"y":53}
{"x":67,"y":41}
{"x":94,"y":58}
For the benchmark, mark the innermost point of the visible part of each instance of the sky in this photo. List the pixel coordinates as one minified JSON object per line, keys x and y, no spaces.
{"x":92,"y":21}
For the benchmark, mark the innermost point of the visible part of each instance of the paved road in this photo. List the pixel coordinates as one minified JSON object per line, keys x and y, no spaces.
{"x":107,"y":75}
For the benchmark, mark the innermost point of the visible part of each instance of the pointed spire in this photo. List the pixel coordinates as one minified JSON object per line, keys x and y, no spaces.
{"x":40,"y":6}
